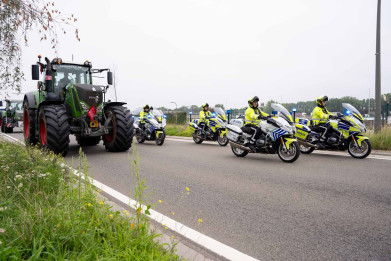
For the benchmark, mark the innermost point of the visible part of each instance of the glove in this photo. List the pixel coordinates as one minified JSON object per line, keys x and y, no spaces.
{"x":260,"y":117}
{"x":332,"y":117}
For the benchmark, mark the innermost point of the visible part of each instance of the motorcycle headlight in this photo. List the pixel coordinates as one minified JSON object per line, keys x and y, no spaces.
{"x":84,"y":107}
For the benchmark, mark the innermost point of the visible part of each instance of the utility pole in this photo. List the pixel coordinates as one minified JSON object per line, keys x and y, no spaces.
{"x":378,"y":76}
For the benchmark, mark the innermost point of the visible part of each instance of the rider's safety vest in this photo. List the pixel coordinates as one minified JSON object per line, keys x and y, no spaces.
{"x":251,"y":115}
{"x":320,"y":115}
{"x":143,"y":115}
{"x":204,"y":114}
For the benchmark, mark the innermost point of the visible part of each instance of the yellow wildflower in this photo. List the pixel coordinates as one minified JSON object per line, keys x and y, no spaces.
{"x":84,"y":232}
{"x":173,"y":213}
{"x":89,"y":204}
{"x":58,"y":225}
{"x":200,"y":220}
{"x":111,"y":215}
{"x":160,"y":201}
{"x":187,"y":189}
{"x":101,"y":202}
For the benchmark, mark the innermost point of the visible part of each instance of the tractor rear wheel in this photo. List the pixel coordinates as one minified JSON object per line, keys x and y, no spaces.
{"x":54,"y":128}
{"x":120,"y":136}
{"x":29,"y":124}
{"x":87,"y":141}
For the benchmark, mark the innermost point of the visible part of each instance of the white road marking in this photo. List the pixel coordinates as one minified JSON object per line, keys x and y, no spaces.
{"x":189,"y":233}
{"x":322,"y":152}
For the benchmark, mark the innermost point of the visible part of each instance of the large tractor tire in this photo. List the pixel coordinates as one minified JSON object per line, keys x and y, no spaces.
{"x":87,"y":141}
{"x":29,"y":124}
{"x":54,"y":128}
{"x":120,"y":136}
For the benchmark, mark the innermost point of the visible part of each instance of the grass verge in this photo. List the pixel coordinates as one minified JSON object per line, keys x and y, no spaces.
{"x":47,"y":213}
{"x":178,"y":130}
{"x":381,"y":140}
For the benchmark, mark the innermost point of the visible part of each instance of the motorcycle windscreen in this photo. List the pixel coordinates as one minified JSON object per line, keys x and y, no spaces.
{"x":353,"y":110}
{"x":220,"y":112}
{"x":283,"y":111}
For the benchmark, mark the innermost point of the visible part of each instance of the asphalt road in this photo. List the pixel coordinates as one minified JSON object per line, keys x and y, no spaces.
{"x":322,"y":207}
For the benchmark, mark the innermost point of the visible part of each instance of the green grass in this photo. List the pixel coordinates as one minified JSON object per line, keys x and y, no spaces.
{"x":381,"y":140}
{"x":47,"y":213}
{"x":178,"y":130}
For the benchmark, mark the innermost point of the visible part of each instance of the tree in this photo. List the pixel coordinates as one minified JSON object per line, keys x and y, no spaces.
{"x":17,"y":18}
{"x":220,"y":105}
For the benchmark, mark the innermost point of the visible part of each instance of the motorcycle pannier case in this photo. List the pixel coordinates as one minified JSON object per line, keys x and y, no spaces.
{"x":234,"y":132}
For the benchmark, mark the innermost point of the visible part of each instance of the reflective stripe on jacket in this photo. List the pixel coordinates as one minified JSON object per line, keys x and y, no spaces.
{"x":251,"y":115}
{"x":320,"y":115}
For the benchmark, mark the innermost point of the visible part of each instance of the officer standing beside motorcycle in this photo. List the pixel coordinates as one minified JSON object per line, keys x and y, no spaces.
{"x":253,"y":117}
{"x":144,"y":114}
{"x":205,"y":115}
{"x":320,"y":117}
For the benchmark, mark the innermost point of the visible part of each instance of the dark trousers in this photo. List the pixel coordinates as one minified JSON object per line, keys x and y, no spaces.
{"x":323,"y":130}
{"x":252,"y":129}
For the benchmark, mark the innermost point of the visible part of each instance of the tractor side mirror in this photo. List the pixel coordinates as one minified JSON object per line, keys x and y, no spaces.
{"x":1,"y":103}
{"x":35,"y":72}
{"x":109,"y":78}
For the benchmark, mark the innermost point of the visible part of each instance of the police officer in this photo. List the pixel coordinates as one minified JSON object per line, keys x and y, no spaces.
{"x":320,"y":117}
{"x":253,"y":117}
{"x":205,"y":115}
{"x":144,"y":114}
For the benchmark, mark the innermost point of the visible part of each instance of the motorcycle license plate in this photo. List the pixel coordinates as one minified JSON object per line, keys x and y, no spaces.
{"x":232,"y":136}
{"x":94,"y":124}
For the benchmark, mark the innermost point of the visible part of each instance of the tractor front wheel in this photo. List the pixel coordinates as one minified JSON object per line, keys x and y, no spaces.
{"x":120,"y":134}
{"x":54,"y":128}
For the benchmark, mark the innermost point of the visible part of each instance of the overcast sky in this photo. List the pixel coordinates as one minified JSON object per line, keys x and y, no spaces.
{"x":196,"y":51}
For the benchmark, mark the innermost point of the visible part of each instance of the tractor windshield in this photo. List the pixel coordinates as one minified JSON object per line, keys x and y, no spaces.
{"x":67,"y":73}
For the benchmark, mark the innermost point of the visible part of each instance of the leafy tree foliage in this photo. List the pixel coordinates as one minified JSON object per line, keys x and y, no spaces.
{"x":17,"y":18}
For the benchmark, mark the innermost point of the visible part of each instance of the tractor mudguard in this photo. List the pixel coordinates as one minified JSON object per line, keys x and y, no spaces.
{"x":110,"y":104}
{"x":49,"y":102}
{"x":31,"y":100}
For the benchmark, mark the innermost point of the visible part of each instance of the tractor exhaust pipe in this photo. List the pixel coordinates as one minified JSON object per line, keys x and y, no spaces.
{"x":238,"y":146}
{"x":307,"y":144}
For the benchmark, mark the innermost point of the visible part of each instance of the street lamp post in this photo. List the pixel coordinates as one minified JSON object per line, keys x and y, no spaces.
{"x":378,"y":77}
{"x":176,"y":113}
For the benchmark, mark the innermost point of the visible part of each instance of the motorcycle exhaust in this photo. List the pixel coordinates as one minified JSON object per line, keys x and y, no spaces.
{"x":196,"y":136}
{"x":238,"y":146}
{"x":301,"y":142}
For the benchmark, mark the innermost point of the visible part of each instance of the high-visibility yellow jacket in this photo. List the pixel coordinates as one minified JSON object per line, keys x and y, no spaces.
{"x":251,"y":115}
{"x":320,"y":115}
{"x":204,"y":115}
{"x":143,"y":115}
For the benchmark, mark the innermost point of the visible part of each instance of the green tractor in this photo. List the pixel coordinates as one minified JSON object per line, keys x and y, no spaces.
{"x":11,"y":113}
{"x":66,"y":102}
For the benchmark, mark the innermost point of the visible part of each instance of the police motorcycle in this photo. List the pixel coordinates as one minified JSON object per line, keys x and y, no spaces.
{"x":277,"y":136}
{"x":346,"y":134}
{"x":215,"y":129}
{"x":153,"y":127}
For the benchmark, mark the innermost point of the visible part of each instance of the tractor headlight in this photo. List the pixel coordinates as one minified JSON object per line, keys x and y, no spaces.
{"x":84,"y":107}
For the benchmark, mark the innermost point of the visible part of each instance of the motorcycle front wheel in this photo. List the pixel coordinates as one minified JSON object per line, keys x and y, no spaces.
{"x":289,"y":155}
{"x":223,"y":141}
{"x":160,"y":140}
{"x":360,"y":152}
